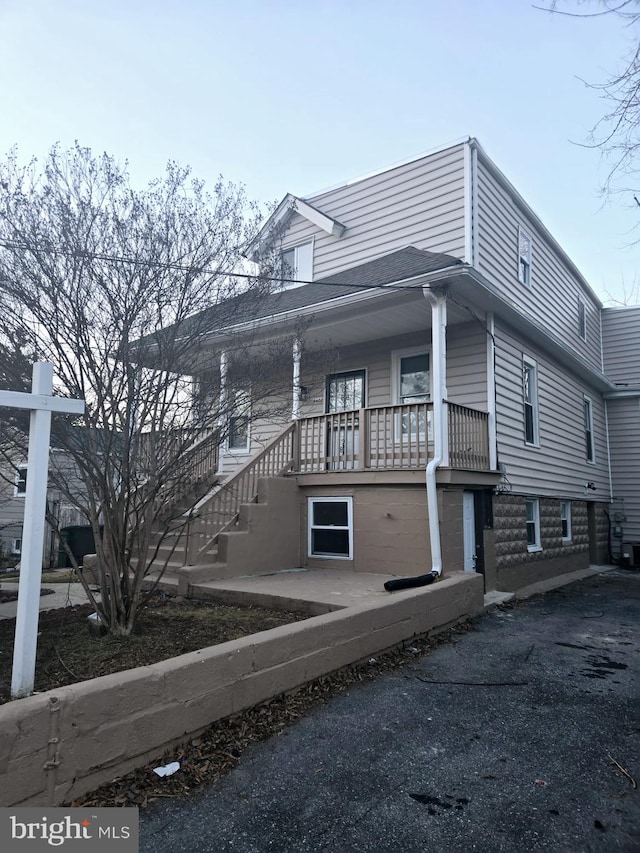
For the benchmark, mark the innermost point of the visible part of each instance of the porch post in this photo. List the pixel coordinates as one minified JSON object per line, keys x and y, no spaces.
{"x":297,"y":357}
{"x":439,"y":384}
{"x":224,"y":367}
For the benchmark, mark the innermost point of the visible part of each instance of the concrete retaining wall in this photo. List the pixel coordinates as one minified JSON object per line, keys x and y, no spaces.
{"x":111,"y":725}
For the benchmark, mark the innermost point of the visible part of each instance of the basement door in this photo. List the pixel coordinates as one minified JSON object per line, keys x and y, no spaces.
{"x":469,"y":531}
{"x":345,"y":397}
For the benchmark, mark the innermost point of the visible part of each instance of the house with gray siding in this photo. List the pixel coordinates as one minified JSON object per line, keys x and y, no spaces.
{"x":449,"y":404}
{"x":621,"y":354}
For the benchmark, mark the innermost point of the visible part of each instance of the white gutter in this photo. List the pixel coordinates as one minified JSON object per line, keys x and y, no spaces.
{"x":491,"y":393}
{"x":439,"y":393}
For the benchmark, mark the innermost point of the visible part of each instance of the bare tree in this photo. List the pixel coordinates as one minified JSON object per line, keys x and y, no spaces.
{"x":617,"y":132}
{"x":120,"y":289}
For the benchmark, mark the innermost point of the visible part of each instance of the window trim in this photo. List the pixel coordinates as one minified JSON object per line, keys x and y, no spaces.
{"x":285,"y":283}
{"x":534,"y":403}
{"x":396,"y":365}
{"x":311,"y":527}
{"x":17,"y":492}
{"x":537,"y":545}
{"x":565,"y":517}
{"x":239,"y":449}
{"x":16,"y":546}
{"x":582,"y":319}
{"x":589,"y":437}
{"x":526,"y":277}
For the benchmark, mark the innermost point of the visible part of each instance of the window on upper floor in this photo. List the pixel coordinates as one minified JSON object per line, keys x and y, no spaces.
{"x":524,"y":257}
{"x":296,"y":265}
{"x":20,"y":483}
{"x":582,"y":320}
{"x":533,"y":524}
{"x":588,"y":430}
{"x":530,"y":400}
{"x":16,"y":546}
{"x":565,"y":520}
{"x":238,"y":437}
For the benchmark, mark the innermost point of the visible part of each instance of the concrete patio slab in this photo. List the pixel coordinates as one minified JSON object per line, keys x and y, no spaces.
{"x":313,"y":591}
{"x":64,"y":595}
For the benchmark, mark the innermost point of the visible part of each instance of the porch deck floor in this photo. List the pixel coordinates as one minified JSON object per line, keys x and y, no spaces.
{"x":311,"y":590}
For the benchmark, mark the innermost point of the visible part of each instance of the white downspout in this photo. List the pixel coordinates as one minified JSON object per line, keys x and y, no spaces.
{"x":297,"y":355}
{"x":439,"y":394}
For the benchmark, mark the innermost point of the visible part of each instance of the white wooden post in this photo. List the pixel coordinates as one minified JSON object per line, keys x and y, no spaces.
{"x":297,"y":356}
{"x":41,"y":403}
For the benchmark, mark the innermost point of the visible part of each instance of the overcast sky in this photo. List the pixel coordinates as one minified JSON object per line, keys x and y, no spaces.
{"x":294,"y":96}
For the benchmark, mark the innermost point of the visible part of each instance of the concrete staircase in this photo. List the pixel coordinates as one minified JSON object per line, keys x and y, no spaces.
{"x":238,"y":527}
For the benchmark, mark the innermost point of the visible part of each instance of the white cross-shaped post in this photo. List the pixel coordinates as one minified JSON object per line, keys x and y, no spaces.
{"x":41,"y":404}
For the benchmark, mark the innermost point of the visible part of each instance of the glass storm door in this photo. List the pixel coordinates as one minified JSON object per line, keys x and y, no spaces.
{"x":345,"y":398}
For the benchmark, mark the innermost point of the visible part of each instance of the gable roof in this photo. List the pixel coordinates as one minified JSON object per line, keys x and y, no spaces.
{"x":278,"y":220}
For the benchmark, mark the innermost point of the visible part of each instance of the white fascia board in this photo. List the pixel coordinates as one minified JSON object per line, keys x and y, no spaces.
{"x":621,"y":393}
{"x":289,"y":205}
{"x":331,"y":226}
{"x":539,"y":224}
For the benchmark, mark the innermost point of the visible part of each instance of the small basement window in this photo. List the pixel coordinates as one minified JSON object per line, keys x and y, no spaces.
{"x":331,"y":528}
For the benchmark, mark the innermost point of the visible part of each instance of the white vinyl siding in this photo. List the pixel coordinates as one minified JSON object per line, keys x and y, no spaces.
{"x":624,"y":432}
{"x":419,"y":204}
{"x":551,"y":300}
{"x":558,"y":467}
{"x":620,"y":336}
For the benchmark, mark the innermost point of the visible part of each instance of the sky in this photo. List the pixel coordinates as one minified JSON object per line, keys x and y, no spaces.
{"x":291,"y":96}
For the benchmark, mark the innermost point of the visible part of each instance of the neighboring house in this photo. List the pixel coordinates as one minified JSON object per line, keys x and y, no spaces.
{"x":13,"y":484}
{"x":621,"y":344}
{"x":461,"y":347}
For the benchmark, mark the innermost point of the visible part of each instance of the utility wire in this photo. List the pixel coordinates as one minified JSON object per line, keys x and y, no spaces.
{"x":203,"y":270}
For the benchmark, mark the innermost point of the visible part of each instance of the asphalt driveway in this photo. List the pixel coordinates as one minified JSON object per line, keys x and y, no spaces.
{"x":516,"y":736}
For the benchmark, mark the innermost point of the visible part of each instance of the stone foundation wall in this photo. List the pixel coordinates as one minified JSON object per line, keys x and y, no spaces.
{"x":516,"y":566}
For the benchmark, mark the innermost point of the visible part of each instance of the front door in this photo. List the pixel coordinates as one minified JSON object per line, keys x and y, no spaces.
{"x":345,"y":398}
{"x":469,"y":531}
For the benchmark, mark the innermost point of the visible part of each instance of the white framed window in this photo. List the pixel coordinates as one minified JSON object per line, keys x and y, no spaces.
{"x":20,"y":483}
{"x":525,"y":247}
{"x":582,"y":320}
{"x":530,"y":401}
{"x":590,"y":450}
{"x":533,"y":524}
{"x":565,"y":520}
{"x":296,"y":265}
{"x":239,"y":420}
{"x":330,"y":528}
{"x":411,"y":383}
{"x":16,"y":546}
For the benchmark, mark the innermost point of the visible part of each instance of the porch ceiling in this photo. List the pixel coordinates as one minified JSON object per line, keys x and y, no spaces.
{"x":388,"y":315}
